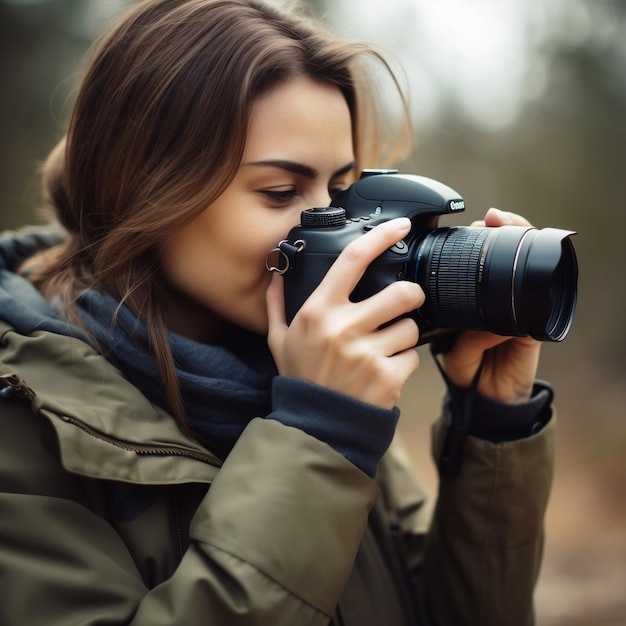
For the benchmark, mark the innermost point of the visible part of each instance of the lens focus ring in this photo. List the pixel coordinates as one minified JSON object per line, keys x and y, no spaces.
{"x":452,"y":275}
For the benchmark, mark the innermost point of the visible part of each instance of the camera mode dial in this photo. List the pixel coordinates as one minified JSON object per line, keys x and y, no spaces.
{"x":323,"y":217}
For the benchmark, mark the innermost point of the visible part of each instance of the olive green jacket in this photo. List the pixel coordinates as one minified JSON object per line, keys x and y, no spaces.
{"x":110,"y":515}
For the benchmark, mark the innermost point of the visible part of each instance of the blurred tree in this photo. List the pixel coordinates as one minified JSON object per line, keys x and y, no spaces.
{"x":42,"y":44}
{"x":560,"y":162}
{"x":583,"y":113}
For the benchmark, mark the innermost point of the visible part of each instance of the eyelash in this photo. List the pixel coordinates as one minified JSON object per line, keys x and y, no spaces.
{"x":282,"y":197}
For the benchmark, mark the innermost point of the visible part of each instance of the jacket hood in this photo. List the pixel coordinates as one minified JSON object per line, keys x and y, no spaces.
{"x":21,"y":305}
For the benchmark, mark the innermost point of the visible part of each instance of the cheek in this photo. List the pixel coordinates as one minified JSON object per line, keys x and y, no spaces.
{"x":183,"y":259}
{"x":190,"y":265}
{"x":223,"y":269}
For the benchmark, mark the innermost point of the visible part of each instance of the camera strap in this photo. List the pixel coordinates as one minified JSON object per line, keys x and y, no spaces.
{"x":285,"y":254}
{"x":461,"y":413}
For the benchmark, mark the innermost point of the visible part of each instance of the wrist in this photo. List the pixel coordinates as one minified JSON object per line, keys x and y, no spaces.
{"x":497,"y":422}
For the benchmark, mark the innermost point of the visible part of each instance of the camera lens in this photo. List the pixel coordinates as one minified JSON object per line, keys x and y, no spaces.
{"x":512,"y":280}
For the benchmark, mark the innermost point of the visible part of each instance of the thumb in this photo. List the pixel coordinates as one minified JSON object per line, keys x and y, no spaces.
{"x":277,"y":324}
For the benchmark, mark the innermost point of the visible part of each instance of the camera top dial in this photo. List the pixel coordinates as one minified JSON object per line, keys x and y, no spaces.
{"x":323,"y":217}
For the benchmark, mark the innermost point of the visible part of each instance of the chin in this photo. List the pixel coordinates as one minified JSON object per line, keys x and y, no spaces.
{"x":258,"y":324}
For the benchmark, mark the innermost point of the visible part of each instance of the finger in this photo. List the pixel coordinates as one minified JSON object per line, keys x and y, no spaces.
{"x":395,"y":338}
{"x":275,"y":299}
{"x":496,"y":217}
{"x":404,"y":364}
{"x":476,"y":342}
{"x":347,"y":270}
{"x":386,"y":388}
{"x":395,"y":300}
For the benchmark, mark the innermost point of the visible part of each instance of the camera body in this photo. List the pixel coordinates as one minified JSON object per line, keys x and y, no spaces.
{"x":510,"y":280}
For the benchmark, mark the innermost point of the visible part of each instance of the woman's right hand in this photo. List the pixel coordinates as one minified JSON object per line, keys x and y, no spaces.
{"x":339,"y":344}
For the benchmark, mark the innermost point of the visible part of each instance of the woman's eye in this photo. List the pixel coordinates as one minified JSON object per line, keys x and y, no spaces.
{"x":279,"y":196}
{"x":335,"y":188}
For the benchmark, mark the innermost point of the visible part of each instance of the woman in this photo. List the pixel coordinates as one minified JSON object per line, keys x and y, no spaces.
{"x":159,"y":463}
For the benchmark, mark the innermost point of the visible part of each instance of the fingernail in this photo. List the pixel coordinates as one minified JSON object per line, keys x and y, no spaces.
{"x":404,"y":223}
{"x":398,"y":223}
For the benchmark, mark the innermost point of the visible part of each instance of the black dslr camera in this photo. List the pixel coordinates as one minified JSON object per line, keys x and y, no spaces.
{"x":511,"y":280}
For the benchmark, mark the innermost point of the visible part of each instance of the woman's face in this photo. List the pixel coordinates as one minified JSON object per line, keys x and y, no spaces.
{"x":298,"y":152}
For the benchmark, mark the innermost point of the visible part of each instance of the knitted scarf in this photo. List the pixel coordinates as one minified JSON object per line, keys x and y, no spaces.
{"x":222,"y":388}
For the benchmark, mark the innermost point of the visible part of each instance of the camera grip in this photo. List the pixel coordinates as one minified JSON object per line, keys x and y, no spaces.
{"x":302,"y":278}
{"x":308,"y":271}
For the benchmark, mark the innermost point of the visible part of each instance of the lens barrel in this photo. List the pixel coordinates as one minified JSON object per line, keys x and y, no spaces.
{"x":511,"y":280}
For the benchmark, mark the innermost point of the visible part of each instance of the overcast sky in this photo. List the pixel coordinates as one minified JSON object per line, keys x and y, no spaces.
{"x":478,"y":51}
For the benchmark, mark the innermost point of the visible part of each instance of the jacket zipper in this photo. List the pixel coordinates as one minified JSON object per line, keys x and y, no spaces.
{"x":143,"y":449}
{"x":15,"y":385}
{"x":12,"y":384}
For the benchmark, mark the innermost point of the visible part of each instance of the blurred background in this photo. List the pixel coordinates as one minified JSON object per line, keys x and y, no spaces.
{"x":518,"y":104}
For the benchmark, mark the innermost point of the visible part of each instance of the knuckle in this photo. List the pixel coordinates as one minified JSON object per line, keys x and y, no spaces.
{"x":321,"y":322}
{"x":411,"y":331}
{"x":408,"y":294}
{"x":393,"y":391}
{"x":310,"y":315}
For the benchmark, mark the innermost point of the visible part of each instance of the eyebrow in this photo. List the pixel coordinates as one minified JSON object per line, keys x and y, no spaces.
{"x":300,"y":168}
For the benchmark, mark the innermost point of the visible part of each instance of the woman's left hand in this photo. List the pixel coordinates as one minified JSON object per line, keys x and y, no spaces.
{"x":510,"y":363}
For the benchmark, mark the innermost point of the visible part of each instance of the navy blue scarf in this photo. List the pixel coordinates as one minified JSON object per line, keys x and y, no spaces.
{"x":222,"y":388}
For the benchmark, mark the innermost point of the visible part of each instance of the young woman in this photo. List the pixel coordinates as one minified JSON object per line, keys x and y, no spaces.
{"x":159,"y":463}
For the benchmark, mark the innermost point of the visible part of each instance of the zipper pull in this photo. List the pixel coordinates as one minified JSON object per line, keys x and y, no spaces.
{"x":11,"y":385}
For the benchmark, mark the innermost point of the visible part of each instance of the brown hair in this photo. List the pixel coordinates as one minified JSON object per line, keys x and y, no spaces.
{"x":158,"y":132}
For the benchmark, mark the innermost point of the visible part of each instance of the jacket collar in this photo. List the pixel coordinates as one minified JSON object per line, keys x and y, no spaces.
{"x":106,"y":427}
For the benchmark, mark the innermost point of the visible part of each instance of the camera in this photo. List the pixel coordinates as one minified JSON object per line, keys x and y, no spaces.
{"x":510,"y":280}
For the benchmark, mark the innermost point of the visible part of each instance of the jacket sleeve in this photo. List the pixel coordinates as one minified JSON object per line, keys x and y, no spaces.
{"x":483,"y":551}
{"x":260,"y":551}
